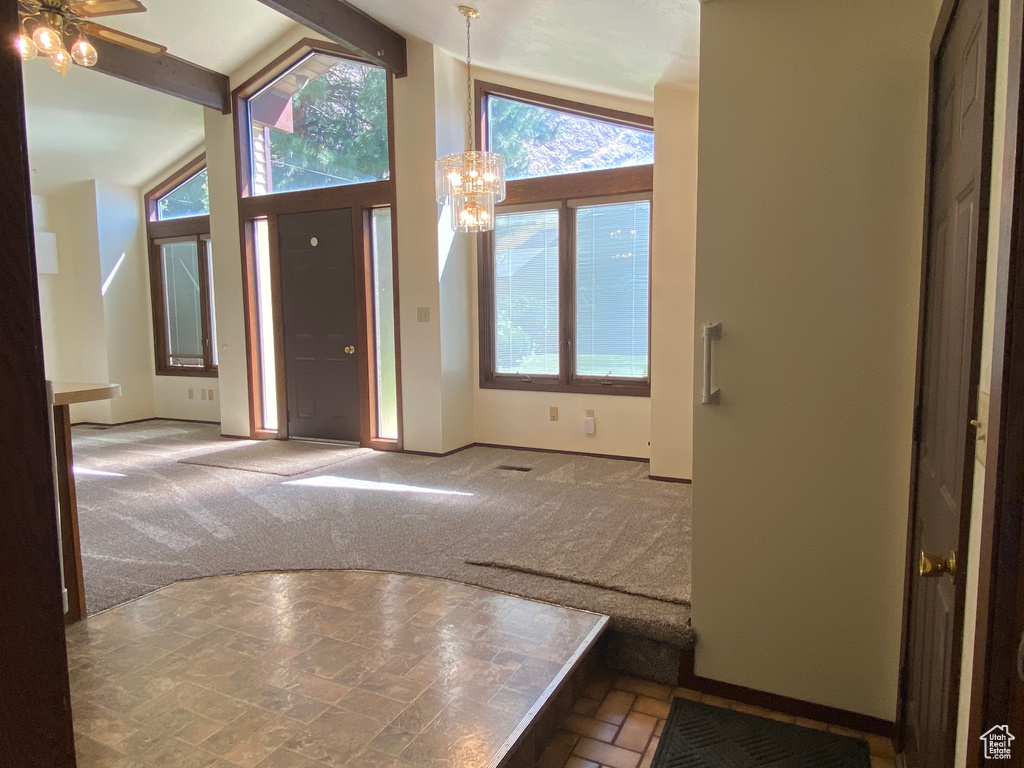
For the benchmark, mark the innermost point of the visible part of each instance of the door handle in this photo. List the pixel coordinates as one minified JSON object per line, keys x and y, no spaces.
{"x":350,"y":350}
{"x":932,"y":566}
{"x":712,"y":332}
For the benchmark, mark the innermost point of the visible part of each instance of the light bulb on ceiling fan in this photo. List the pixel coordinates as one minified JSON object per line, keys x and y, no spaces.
{"x":60,"y":61}
{"x":84,"y":53}
{"x":46,"y":39}
{"x":25,"y":47}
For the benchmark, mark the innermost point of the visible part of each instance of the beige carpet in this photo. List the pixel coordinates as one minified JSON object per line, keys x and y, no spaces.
{"x":148,"y":520}
{"x":274,"y":457}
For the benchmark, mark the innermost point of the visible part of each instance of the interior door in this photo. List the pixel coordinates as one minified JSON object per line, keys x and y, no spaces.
{"x":947,"y":385}
{"x":318,"y":310}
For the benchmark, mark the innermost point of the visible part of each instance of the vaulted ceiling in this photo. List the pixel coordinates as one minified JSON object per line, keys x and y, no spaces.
{"x":92,"y":126}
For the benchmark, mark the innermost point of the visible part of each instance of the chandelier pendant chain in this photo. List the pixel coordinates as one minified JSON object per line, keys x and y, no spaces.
{"x":469,"y":84}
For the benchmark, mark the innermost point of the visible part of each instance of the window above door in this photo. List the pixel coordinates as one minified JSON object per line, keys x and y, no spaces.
{"x":320,"y":122}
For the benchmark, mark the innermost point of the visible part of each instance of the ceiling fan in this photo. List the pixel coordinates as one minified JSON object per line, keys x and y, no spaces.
{"x":47,"y":24}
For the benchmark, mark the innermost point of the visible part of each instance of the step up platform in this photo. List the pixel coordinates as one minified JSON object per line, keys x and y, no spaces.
{"x":308,"y":669}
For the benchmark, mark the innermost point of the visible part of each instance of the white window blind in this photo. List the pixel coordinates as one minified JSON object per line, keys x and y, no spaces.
{"x":182,"y":303}
{"x":526,"y":293}
{"x":612,"y":290}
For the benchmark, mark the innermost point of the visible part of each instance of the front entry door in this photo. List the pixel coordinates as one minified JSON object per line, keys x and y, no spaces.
{"x":318,"y":309}
{"x":947,"y":385}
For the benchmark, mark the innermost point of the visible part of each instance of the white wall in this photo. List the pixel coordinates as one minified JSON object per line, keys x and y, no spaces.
{"x":91,"y":334}
{"x":673,"y":255}
{"x":417,"y":247}
{"x":456,"y":257}
{"x":57,"y":291}
{"x":124,"y":287}
{"x":813,"y":121}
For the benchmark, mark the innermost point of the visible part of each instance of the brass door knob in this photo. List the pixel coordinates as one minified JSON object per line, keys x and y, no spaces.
{"x":350,"y":350}
{"x":932,"y":565}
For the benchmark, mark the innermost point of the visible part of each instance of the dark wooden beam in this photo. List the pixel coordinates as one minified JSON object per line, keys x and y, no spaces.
{"x":167,"y":74}
{"x":35,"y":705}
{"x":348,"y":26}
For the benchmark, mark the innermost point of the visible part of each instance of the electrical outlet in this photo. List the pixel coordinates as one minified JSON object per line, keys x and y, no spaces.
{"x":191,"y":394}
{"x":202,"y":394}
{"x":423,"y":314}
{"x":210,"y":398}
{"x":589,"y":414}
{"x":553,"y":413}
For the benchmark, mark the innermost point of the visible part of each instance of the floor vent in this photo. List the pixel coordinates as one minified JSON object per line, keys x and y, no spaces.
{"x":510,"y":468}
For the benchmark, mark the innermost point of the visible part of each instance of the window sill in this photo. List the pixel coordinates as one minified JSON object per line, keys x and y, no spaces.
{"x":201,"y":373}
{"x":619,"y":388}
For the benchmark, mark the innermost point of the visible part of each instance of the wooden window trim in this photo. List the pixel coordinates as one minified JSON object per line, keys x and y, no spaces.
{"x":361,"y":198}
{"x":564,"y":192}
{"x":180,"y":176}
{"x":193,"y":228}
{"x":196,"y":227}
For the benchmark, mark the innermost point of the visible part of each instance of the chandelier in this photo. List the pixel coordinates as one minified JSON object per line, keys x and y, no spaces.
{"x":470,"y":182}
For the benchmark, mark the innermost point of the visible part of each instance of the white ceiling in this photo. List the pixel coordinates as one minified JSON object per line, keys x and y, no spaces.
{"x":92,"y":126}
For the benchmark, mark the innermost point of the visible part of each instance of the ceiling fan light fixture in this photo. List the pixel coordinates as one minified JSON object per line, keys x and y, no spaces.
{"x":83,"y":52}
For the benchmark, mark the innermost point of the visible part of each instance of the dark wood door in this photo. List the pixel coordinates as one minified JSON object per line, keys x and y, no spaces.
{"x":318,"y":303}
{"x":948,"y":377}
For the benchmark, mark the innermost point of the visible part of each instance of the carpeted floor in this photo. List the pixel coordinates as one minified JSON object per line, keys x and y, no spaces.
{"x":148,"y":519}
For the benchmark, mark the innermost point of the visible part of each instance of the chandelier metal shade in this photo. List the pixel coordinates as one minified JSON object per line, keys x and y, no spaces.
{"x":49,"y":26}
{"x":470,"y":183}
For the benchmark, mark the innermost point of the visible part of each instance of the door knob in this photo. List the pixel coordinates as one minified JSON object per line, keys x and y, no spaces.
{"x":932,"y":565}
{"x":350,"y":350}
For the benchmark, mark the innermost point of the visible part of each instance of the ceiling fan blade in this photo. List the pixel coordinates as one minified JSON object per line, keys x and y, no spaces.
{"x":92,"y":8}
{"x":122,"y":39}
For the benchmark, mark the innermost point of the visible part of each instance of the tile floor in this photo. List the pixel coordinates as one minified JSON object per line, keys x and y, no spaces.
{"x":314,"y":669}
{"x":619,"y":720}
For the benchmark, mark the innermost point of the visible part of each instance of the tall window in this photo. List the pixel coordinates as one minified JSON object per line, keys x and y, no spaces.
{"x":565,"y":275}
{"x":181,"y":274}
{"x":323,"y":123}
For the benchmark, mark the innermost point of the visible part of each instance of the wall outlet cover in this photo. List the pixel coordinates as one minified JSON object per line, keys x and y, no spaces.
{"x":202,"y":394}
{"x":588,"y":413}
{"x":423,"y":314}
{"x":191,"y":394}
{"x":553,"y":413}
{"x":210,"y":397}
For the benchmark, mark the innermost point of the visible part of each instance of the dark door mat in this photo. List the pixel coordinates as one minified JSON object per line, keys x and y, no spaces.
{"x":701,"y":736}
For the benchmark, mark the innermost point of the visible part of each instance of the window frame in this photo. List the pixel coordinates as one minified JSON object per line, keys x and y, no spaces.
{"x":362,"y":199}
{"x":566,"y":193}
{"x":180,"y":229}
